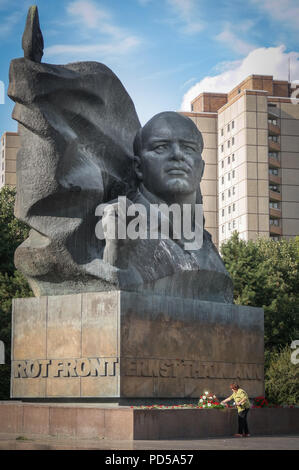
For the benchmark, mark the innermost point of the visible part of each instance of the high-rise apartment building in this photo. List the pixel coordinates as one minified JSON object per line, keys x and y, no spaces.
{"x":251,"y":137}
{"x":9,"y":145}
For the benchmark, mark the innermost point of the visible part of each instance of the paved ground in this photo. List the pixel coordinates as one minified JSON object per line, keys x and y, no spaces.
{"x":16,"y":442}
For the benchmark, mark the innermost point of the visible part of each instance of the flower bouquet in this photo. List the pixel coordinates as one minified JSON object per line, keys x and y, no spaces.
{"x":260,"y":402}
{"x":208,"y":400}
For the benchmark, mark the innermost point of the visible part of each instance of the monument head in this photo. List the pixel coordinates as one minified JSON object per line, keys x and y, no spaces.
{"x":168,"y":158}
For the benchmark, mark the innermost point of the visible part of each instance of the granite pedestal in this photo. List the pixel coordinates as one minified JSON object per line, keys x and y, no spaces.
{"x":116,"y":344}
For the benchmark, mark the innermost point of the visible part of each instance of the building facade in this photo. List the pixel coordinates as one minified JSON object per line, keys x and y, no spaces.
{"x":251,"y":137}
{"x":9,"y":145}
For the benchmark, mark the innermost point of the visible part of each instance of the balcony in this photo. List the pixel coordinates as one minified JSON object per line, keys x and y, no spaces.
{"x":274,"y":162}
{"x":273,"y":229}
{"x":274,"y":146}
{"x":274,"y":196}
{"x":273,"y":112}
{"x":276,"y":213}
{"x":274,"y":129}
{"x":274,"y":179}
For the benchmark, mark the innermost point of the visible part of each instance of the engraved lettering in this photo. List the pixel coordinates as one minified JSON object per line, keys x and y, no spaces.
{"x":165,"y":368}
{"x":69,"y":368}
{"x":97,"y":367}
{"x":142,"y":368}
{"x":19,"y":369}
{"x":238,"y":372}
{"x":32,"y":369}
{"x":44,"y":363}
{"x":103,"y":367}
{"x":111,"y":366}
{"x":83,"y":367}
{"x":57,"y":366}
{"x":131,"y":367}
{"x":188,"y":369}
{"x":153,"y":368}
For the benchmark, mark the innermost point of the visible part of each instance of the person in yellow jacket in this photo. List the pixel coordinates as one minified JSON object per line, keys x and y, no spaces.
{"x":241,"y":399}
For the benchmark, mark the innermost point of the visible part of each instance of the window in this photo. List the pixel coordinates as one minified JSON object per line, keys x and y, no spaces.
{"x":274,"y":205}
{"x":222,"y":132}
{"x":222,"y":228}
{"x":234,"y":207}
{"x":228,"y":128}
{"x":233,"y":141}
{"x":228,"y":176}
{"x":272,"y":121}
{"x":229,"y":209}
{"x":273,"y":138}
{"x":228,"y":160}
{"x":234,"y":223}
{"x":222,"y":180}
{"x":222,"y":148}
{"x":192,"y":109}
{"x":234,"y":190}
{"x":273,"y":155}
{"x":222,"y":196}
{"x":229,"y":193}
{"x":222,"y":212}
{"x":274,"y":187}
{"x":234,"y":173}
{"x":273,"y":171}
{"x":228,"y":143}
{"x":233,"y":124}
{"x":222,"y":164}
{"x":229,"y":226}
{"x":233,"y":157}
{"x":274,"y":222}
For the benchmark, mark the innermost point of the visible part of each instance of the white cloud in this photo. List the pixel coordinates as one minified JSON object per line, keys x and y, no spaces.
{"x":88,"y":13}
{"x":93,"y":50}
{"x":284,"y":11}
{"x":233,"y":41}
{"x":263,"y":61}
{"x":188,"y":82}
{"x":186,"y":13}
{"x":108,"y":37}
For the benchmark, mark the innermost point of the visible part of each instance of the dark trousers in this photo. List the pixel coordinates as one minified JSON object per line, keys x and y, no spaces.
{"x":242,"y":422}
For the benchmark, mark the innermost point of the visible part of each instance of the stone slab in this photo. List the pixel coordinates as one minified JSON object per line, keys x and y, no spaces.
{"x":130,"y":345}
{"x":95,"y":421}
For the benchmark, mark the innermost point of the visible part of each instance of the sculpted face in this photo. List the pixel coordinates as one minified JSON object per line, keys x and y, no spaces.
{"x":169,"y":161}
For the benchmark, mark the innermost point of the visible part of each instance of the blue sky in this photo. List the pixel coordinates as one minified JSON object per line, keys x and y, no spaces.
{"x":165,"y":52}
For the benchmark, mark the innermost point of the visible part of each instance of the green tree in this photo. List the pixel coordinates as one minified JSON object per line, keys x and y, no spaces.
{"x":12,"y":282}
{"x":266,"y":274}
{"x":281,"y":378}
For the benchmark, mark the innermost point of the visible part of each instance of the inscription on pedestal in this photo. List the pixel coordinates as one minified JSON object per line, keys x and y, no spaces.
{"x":50,"y":368}
{"x":109,"y":367}
{"x":191,"y":369}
